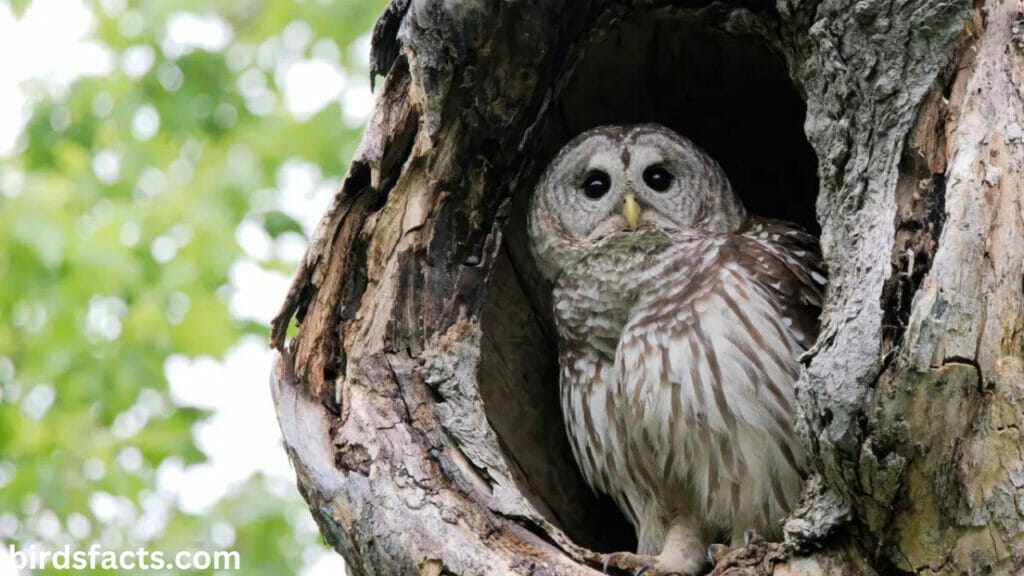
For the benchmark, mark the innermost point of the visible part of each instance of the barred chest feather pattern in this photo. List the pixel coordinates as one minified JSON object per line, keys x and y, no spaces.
{"x":679,"y":358}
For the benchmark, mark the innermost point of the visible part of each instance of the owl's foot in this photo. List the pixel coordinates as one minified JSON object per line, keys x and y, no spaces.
{"x":640,"y":565}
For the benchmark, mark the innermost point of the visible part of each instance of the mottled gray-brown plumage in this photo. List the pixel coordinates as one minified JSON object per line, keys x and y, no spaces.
{"x":680,"y":320}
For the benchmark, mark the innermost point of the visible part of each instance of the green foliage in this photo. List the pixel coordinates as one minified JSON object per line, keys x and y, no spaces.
{"x":116,"y":244}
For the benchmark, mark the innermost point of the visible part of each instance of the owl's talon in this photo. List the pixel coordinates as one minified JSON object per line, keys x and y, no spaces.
{"x":716,"y":552}
{"x":624,"y":561}
{"x":748,"y":535}
{"x":640,"y":571}
{"x":607,"y":561}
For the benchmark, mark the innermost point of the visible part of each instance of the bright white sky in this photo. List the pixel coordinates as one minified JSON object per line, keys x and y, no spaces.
{"x":53,"y":47}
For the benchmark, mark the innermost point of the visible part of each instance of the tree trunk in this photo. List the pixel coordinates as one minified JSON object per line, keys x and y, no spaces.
{"x":418,"y":397}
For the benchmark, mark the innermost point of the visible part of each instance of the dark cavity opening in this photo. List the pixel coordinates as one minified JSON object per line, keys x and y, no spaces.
{"x":699,"y":73}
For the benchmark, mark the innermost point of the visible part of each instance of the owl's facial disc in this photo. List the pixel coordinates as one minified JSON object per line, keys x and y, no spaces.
{"x":624,"y":182}
{"x":599,"y":195}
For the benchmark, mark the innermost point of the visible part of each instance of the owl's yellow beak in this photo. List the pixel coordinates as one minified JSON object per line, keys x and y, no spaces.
{"x":631,"y":211}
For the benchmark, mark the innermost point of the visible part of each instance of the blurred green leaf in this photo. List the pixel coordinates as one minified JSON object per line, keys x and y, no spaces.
{"x":18,"y":7}
{"x":117,"y":247}
{"x":277,"y":223}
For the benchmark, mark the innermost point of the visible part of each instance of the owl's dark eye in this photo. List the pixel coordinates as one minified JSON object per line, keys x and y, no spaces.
{"x":596,"y":184}
{"x":657,"y":178}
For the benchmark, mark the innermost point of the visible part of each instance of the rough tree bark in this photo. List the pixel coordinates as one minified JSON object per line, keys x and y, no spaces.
{"x":417,"y":395}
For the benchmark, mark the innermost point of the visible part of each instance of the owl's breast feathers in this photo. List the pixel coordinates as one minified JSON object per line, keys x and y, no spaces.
{"x":678,"y":365}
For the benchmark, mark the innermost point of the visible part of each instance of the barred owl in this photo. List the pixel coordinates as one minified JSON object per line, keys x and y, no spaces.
{"x":680,"y":319}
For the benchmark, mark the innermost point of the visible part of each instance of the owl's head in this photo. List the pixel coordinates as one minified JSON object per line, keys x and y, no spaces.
{"x":626,"y":180}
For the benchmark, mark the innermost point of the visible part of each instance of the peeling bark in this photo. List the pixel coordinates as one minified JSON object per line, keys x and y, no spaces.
{"x":417,"y":397}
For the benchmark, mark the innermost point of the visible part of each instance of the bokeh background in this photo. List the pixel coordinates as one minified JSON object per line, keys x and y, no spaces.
{"x":162,"y":164}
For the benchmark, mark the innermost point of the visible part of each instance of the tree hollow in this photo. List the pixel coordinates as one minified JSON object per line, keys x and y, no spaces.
{"x":726,"y":90}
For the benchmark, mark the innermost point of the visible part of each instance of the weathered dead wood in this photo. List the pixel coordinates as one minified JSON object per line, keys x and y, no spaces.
{"x":416,"y":396}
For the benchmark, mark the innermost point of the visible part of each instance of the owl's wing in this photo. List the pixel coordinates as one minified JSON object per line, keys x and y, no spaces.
{"x":785,"y":261}
{"x":708,"y":360}
{"x":596,"y":430}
